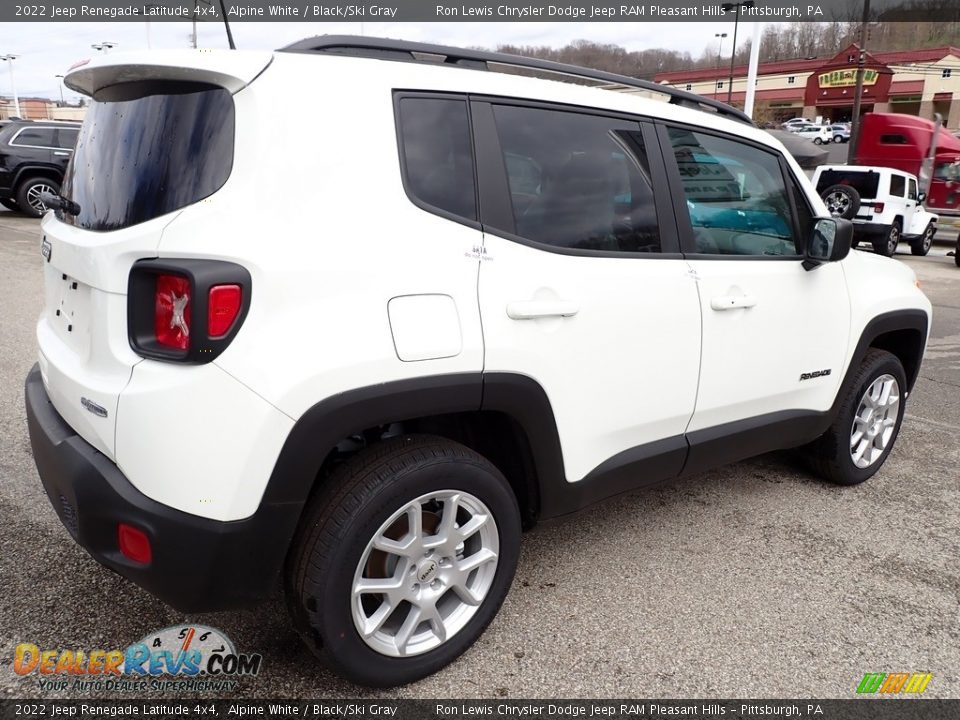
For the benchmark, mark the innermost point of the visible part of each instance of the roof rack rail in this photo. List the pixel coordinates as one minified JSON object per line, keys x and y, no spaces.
{"x":402,"y":50}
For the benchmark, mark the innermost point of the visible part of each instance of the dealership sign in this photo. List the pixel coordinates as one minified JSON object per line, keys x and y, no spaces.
{"x":847,"y":77}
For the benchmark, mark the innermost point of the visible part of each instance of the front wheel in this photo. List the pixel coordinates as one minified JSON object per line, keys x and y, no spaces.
{"x":403,"y":559}
{"x":817,"y":141}
{"x":838,"y":139}
{"x":867,"y":423}
{"x":921,"y":245}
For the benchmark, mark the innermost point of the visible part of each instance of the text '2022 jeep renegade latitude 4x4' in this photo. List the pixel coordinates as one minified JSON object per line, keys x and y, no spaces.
{"x":495,"y":299}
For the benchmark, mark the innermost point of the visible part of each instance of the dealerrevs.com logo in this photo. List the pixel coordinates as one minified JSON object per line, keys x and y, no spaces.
{"x":181,"y":657}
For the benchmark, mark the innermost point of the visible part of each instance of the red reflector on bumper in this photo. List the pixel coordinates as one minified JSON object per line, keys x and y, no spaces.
{"x":134,"y":544}
{"x":223,"y":306}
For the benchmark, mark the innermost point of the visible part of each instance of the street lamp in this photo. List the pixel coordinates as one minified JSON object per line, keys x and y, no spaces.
{"x":727,"y":6}
{"x":104,"y":46}
{"x":60,"y":78}
{"x":13,"y":86}
{"x":720,"y":46}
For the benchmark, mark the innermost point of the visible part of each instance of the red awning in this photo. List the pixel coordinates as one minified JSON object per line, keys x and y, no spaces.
{"x":906,"y":87}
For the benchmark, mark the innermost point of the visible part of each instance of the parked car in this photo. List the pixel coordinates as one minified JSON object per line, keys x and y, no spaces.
{"x":793,"y":122}
{"x":371,"y":406}
{"x":841,"y":133}
{"x":820,"y":134}
{"x":883,"y":203}
{"x":33,"y":158}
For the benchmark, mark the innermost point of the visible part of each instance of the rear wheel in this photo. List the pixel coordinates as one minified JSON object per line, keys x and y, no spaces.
{"x":10,"y":204}
{"x":867,"y":422}
{"x":29,"y":195}
{"x":921,"y":245}
{"x":403,"y":559}
{"x":838,"y":138}
{"x":887,"y":245}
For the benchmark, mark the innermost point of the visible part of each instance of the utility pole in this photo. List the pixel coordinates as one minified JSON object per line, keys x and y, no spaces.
{"x":858,"y":93}
{"x":60,"y":83}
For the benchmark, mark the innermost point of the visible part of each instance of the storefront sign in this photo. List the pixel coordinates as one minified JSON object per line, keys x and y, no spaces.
{"x":847,"y":77}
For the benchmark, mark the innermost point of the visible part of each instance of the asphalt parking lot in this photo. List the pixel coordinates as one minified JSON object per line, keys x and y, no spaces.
{"x":755,"y":580}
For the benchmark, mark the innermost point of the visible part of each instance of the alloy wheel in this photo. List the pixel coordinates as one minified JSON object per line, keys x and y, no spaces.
{"x":837,"y":203}
{"x":875,"y":420}
{"x":425,"y":573}
{"x":34,"y":194}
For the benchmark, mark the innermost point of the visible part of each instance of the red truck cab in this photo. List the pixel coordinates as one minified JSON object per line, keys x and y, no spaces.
{"x":902,"y":142}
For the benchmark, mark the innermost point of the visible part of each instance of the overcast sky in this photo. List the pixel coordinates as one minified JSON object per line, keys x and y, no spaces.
{"x":48,"y":49}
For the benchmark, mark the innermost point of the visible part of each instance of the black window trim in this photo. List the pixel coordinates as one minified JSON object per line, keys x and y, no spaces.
{"x":496,"y":207}
{"x":685,"y":227}
{"x":54,"y":130}
{"x":399,"y":95}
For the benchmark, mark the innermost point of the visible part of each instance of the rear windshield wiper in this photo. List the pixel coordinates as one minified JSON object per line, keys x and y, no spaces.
{"x":59,"y":202}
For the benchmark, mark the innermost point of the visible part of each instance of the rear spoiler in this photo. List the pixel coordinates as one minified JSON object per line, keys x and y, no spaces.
{"x":229,"y":69}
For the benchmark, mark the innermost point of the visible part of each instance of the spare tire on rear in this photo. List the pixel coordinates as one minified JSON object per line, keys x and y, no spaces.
{"x":842,"y":201}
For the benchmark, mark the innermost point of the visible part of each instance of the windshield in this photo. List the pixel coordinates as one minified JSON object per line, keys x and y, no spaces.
{"x":147,"y":149}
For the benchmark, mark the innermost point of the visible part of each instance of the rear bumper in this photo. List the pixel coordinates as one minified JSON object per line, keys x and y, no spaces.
{"x":864,"y":228}
{"x":198,"y":564}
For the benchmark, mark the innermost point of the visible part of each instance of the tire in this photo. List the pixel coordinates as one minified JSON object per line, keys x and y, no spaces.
{"x":817,"y":141}
{"x":10,"y":204}
{"x":28,"y":192}
{"x":832,"y":454}
{"x":842,"y":201}
{"x":332,"y":554}
{"x":838,"y":139}
{"x":921,"y":245}
{"x":887,"y":245}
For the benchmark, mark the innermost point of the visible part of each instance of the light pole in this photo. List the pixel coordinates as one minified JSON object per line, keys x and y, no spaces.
{"x":733,"y":51}
{"x":13,"y":85}
{"x":60,"y":78}
{"x":104,"y":46}
{"x":720,"y":46}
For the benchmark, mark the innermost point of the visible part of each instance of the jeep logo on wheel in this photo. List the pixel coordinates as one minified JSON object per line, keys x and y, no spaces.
{"x":426,"y":571}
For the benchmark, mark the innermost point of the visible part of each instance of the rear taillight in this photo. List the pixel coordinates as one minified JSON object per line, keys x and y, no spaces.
{"x":878,"y":207}
{"x":186,"y":310}
{"x":223,"y":306}
{"x":171,"y":312}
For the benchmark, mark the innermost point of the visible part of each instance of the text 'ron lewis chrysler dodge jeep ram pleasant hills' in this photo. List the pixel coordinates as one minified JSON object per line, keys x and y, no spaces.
{"x":494,"y":299}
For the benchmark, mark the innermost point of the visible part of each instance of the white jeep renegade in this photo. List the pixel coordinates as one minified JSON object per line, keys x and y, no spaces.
{"x":474,"y":300}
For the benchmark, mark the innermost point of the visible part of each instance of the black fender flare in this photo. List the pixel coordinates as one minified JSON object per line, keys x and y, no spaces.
{"x":25,"y":171}
{"x":913,"y":320}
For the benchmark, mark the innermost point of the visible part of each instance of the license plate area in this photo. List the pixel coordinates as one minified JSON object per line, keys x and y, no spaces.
{"x":68,"y":307}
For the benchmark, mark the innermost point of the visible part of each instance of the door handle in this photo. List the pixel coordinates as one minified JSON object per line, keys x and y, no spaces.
{"x":533,"y":309}
{"x":61,"y":153}
{"x":731,"y":302}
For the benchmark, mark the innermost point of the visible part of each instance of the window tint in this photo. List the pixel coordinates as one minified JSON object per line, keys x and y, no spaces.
{"x":898,"y":185}
{"x":893,"y":139}
{"x":866,"y":183}
{"x":575,"y":181}
{"x":149,"y":148}
{"x":42,"y":137}
{"x":736,"y":196}
{"x":912,"y":194}
{"x":67,"y":138}
{"x":437,"y":154}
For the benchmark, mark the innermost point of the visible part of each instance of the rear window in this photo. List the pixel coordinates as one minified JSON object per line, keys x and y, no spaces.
{"x":898,"y":185}
{"x":147,"y":149}
{"x":865,"y":183}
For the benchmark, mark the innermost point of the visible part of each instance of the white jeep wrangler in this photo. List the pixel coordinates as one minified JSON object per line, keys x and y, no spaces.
{"x":492,"y":299}
{"x":883,"y":203}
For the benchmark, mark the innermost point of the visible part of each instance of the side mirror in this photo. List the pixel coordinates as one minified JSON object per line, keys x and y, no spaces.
{"x":830,"y":241}
{"x":921,"y":196}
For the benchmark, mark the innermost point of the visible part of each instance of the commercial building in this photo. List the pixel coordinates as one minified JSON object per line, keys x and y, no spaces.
{"x":915,"y":82}
{"x":40,"y":109}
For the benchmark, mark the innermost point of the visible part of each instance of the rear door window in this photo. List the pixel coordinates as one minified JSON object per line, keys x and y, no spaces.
{"x":67,"y":138}
{"x":35,"y":137}
{"x":148,"y":148}
{"x":578,"y":181}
